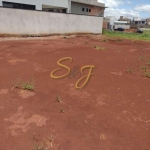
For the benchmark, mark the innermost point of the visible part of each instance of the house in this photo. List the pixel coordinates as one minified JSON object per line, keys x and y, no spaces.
{"x":148,"y":21}
{"x":45,"y":5}
{"x":108,"y":22}
{"x":82,"y":7}
{"x":87,"y":7}
{"x":111,"y":23}
{"x":122,"y":18}
{"x":121,"y":24}
{"x":137,"y":20}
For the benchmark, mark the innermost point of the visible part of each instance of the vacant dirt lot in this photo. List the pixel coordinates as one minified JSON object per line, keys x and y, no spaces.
{"x":111,"y":113}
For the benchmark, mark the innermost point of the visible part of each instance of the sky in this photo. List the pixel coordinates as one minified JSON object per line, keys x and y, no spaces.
{"x":127,"y":8}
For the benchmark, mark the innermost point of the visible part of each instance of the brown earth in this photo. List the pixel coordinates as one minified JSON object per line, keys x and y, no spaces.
{"x":111,"y":113}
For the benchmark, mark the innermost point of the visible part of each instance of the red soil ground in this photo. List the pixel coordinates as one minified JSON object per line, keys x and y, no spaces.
{"x":111,"y":113}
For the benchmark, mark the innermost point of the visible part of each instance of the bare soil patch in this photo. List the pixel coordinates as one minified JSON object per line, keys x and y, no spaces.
{"x":111,"y":113}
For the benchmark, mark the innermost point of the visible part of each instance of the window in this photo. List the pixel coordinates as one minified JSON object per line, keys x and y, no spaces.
{"x":64,"y":11}
{"x":89,"y":10}
{"x":51,"y":10}
{"x":7,"y":5}
{"x":18,"y":5}
{"x":82,"y":9}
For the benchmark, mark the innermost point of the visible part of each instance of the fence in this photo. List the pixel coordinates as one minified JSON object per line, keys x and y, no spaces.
{"x":17,"y":21}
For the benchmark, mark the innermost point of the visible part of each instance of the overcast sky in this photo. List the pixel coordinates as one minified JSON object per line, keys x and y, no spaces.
{"x":127,"y":8}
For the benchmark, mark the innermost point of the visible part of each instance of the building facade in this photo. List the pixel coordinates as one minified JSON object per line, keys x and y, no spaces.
{"x":148,"y":21}
{"x":122,"y":18}
{"x":121,"y":24}
{"x":82,"y":7}
{"x":87,"y":7}
{"x":108,"y":22}
{"x":137,"y":20}
{"x":36,"y":4}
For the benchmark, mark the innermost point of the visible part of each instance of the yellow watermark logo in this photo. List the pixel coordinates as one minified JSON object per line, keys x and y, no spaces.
{"x":82,"y":81}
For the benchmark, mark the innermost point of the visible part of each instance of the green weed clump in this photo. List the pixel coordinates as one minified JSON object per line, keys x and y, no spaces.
{"x":28,"y":85}
{"x":144,"y":68}
{"x":99,"y":48}
{"x":147,"y":74}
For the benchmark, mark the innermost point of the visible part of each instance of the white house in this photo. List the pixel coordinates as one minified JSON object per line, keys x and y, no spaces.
{"x":85,"y":7}
{"x":121,"y":24}
{"x":35,"y":4}
{"x":137,"y":20}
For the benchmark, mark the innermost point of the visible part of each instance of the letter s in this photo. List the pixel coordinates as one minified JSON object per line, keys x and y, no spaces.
{"x":59,"y":63}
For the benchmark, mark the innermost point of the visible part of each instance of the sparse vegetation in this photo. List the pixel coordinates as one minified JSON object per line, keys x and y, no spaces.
{"x":148,"y":63}
{"x":114,"y":40}
{"x":61,"y":110}
{"x":129,"y":70}
{"x":58,"y":99}
{"x":105,"y":40}
{"x":38,"y":147}
{"x":141,"y":58}
{"x":135,"y":36}
{"x":99,"y":48}
{"x":47,"y":144}
{"x":29,"y":85}
{"x":147,"y":74}
{"x":119,"y":40}
{"x":49,"y":141}
{"x":146,"y":71}
{"x":144,"y":68}
{"x":17,"y":84}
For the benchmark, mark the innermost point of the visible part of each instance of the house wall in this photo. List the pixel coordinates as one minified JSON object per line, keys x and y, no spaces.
{"x":106,"y":23}
{"x":96,"y":11}
{"x":148,"y":21}
{"x":122,"y":26}
{"x":18,"y":21}
{"x":89,"y":2}
{"x":76,"y":8}
{"x":136,"y":26}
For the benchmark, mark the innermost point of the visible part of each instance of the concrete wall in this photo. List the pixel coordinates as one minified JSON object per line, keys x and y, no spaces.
{"x":135,"y":26}
{"x":144,"y":26}
{"x":122,"y":26}
{"x":17,"y":21}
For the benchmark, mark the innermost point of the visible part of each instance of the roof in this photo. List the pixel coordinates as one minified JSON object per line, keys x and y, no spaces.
{"x":120,"y":21}
{"x":124,"y":19}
